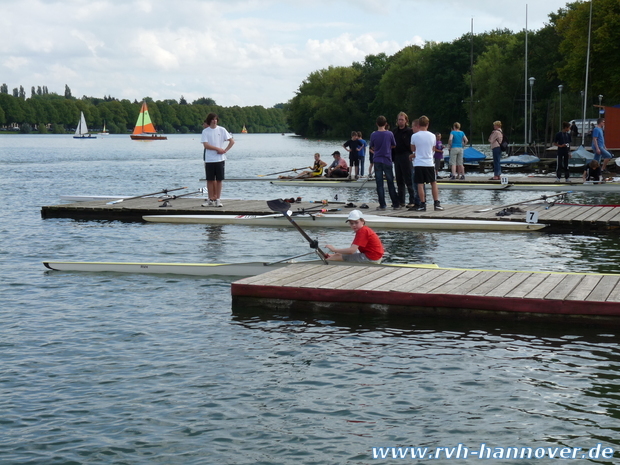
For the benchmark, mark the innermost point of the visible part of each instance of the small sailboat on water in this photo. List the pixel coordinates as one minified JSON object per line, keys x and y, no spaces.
{"x":104,"y":132}
{"x":144,"y":129}
{"x":244,"y":130}
{"x":81,"y":131}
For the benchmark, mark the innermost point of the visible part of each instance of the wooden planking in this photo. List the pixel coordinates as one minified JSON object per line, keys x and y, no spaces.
{"x":431,"y":282}
{"x":509,"y":285}
{"x":545,"y":286}
{"x":395,"y":274}
{"x":402,"y":283}
{"x":604,"y":287}
{"x":364,"y":277}
{"x":490,"y":281}
{"x":565,"y":287}
{"x":459,"y":285}
{"x":585,"y":287}
{"x":527,"y":285}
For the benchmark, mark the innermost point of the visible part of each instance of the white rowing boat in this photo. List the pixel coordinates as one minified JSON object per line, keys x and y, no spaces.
{"x":553,"y":187}
{"x":339,"y":221}
{"x":197,"y":269}
{"x":91,"y":198}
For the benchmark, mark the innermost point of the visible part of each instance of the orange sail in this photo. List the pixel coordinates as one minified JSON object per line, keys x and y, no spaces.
{"x":144,"y":123}
{"x":144,"y":129}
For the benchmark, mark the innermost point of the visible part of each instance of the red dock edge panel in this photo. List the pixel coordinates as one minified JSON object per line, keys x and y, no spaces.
{"x":489,"y":304}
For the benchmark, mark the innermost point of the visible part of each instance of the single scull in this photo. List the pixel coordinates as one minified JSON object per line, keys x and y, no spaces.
{"x":198,"y":269}
{"x":339,"y":221}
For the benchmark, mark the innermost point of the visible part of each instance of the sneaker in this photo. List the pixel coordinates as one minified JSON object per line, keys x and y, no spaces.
{"x":409,"y":206}
{"x":209,"y":203}
{"x":438,"y":206}
{"x":218,"y":203}
{"x":381,"y":209}
{"x":397,"y":207}
{"x":462,"y":178}
{"x":421,"y":207}
{"x":452,"y":176}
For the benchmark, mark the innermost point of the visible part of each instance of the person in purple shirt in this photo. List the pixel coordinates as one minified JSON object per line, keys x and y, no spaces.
{"x":382,"y":142}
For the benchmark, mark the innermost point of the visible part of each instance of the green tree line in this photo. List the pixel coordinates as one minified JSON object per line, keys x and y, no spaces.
{"x":439,"y":81}
{"x":62,"y":112}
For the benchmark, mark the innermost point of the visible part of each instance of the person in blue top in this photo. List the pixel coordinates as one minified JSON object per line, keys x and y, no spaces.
{"x":362,"y":152}
{"x":598,"y":144}
{"x":456,"y":143}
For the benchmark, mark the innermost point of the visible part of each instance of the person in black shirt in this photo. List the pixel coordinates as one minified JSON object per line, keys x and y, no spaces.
{"x":400,"y":157}
{"x":593,"y":172}
{"x":353,"y":146}
{"x":562,"y":141}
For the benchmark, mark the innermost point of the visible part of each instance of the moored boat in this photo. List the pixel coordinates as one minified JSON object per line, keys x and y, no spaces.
{"x":522,"y":160}
{"x":339,"y":221}
{"x":578,"y":185}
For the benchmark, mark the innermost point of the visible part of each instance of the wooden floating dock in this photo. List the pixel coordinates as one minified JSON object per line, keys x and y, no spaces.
{"x":435,"y":292}
{"x":560,"y":218}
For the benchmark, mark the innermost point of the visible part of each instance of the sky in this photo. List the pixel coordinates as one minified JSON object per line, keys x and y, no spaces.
{"x":237,"y":52}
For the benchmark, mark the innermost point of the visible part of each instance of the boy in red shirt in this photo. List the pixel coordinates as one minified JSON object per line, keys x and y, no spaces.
{"x":366,"y":246}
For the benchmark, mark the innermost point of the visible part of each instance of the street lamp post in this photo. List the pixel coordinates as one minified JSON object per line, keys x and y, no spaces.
{"x":560,"y":88}
{"x":532,"y":80}
{"x":600,"y":104}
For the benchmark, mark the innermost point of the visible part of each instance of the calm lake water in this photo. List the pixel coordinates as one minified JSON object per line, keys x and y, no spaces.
{"x":131,"y":369}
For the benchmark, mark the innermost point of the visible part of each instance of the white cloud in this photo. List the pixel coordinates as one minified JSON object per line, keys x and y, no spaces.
{"x":238,"y":52}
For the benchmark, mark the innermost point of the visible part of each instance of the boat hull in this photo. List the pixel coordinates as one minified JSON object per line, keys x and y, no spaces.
{"x":196,"y":269}
{"x":554,"y":187}
{"x":339,"y":221}
{"x":147,"y":137}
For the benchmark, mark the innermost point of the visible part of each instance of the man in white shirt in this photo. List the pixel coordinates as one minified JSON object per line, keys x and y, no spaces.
{"x":423,"y":146}
{"x":216,"y":141}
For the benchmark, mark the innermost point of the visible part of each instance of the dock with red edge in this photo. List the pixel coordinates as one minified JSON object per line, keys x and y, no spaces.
{"x":436,"y":292}
{"x":560,"y":218}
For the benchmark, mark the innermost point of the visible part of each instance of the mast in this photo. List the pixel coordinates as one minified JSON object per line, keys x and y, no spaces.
{"x":525,"y":141}
{"x":585,"y":94}
{"x":471,"y":86}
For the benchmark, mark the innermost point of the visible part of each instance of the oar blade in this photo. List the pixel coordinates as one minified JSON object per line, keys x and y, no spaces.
{"x":279,"y":205}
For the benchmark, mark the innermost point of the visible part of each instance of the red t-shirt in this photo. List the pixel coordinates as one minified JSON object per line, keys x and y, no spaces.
{"x":368,"y":243}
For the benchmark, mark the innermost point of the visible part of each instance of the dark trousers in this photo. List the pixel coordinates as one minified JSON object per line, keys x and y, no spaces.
{"x":562,"y":165}
{"x":380,"y":170}
{"x":402,"y":168}
{"x":497,"y":156}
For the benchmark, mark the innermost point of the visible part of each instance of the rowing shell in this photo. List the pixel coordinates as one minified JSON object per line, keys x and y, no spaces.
{"x":339,"y":221}
{"x":91,"y":198}
{"x":554,"y":187}
{"x":198,"y":269}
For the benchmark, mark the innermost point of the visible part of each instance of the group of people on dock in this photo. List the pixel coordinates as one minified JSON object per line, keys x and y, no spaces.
{"x":409,"y":156}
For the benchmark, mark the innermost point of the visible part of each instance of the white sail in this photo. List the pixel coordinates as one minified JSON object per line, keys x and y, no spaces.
{"x":81,"y":129}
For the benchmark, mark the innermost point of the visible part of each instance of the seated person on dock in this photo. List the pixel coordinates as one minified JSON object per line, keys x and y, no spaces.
{"x":338,"y":168}
{"x":593,"y":172}
{"x":366,"y":246}
{"x":316,"y":169}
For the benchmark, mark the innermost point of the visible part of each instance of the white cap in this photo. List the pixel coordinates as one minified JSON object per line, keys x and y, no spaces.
{"x":354,"y":216}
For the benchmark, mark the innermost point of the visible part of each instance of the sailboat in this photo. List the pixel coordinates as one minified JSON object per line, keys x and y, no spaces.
{"x":244,"y":130}
{"x":144,"y":129}
{"x":82,"y":130}
{"x":104,"y":132}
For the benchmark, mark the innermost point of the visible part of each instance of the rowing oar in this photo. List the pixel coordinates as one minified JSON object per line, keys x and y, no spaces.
{"x":280,"y":172}
{"x":202,"y":190}
{"x":164,"y":191}
{"x":283,"y":207}
{"x":542,"y":197}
